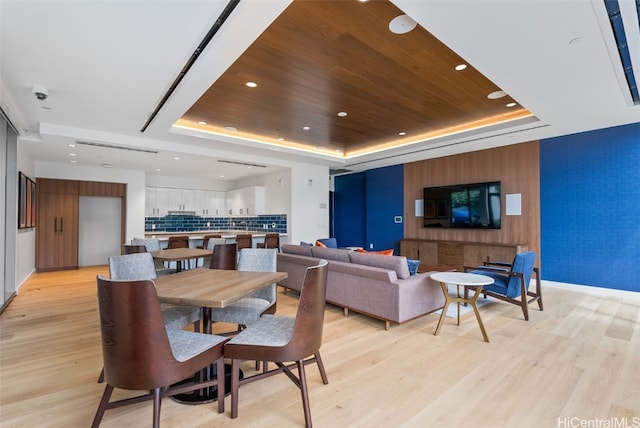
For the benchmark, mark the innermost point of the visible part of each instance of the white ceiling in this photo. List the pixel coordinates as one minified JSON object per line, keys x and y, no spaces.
{"x":106,"y":65}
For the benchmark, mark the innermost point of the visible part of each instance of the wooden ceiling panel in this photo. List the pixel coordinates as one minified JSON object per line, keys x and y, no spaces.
{"x":319,"y":58}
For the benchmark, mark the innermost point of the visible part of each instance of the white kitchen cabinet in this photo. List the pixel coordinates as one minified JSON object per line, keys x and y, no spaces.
{"x":156,"y":201}
{"x":210,"y":203}
{"x":246,"y":201}
{"x":182,"y":200}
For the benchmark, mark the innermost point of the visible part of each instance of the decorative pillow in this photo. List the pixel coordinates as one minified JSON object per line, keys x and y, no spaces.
{"x":413,"y":266}
{"x":320,"y":244}
{"x":383,"y":252}
{"x":328,"y":242}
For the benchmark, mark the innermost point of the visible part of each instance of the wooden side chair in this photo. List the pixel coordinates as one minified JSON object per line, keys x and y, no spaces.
{"x":179,"y":241}
{"x":224,"y":256}
{"x":133,"y":249}
{"x":511,"y":281}
{"x":280,"y":339}
{"x":149,"y":357}
{"x":271,"y":240}
{"x":244,"y":241}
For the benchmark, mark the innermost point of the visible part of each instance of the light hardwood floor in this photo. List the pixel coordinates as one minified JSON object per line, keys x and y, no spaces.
{"x":580,"y":359}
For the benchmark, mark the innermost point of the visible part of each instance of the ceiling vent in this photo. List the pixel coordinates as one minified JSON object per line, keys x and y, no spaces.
{"x":111,"y":146}
{"x":242,"y":163}
{"x":338,"y":171}
{"x":624,"y":23}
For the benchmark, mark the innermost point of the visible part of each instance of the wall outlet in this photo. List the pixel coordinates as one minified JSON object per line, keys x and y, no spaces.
{"x":273,"y":225}
{"x":153,"y":227}
{"x":371,"y":246}
{"x":208,"y":224}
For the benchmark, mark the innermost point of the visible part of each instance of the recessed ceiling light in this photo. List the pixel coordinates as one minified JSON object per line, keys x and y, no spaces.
{"x":176,"y":158}
{"x":72,"y":154}
{"x":251,"y":84}
{"x":158,"y":170}
{"x":402,"y":24}
{"x":106,"y":165}
{"x":461,"y":67}
{"x":202,"y":122}
{"x":71,"y":145}
{"x":342,"y":114}
{"x":402,"y":133}
{"x":497,"y":94}
{"x":230,"y":128}
{"x":74,"y":161}
{"x":512,"y":104}
{"x":222,"y":176}
{"x":306,"y":128}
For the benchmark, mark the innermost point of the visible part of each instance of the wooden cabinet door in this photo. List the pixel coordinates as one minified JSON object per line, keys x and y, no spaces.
{"x":57,"y":231}
{"x":46,"y":232}
{"x":67,"y":236}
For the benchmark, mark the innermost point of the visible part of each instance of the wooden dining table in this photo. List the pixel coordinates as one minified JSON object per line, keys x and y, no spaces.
{"x":210,"y":288}
{"x":179,"y":255}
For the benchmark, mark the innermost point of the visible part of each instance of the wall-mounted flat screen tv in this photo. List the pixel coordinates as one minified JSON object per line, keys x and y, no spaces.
{"x":465,"y":206}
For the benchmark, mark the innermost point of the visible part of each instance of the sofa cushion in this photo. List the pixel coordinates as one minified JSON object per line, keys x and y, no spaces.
{"x":302,"y":250}
{"x":396,"y":263}
{"x":331,"y":254}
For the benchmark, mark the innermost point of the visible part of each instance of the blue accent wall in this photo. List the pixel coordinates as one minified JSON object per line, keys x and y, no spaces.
{"x":349,"y":215}
{"x":385,"y":200}
{"x":366,"y":204}
{"x":590,"y":208}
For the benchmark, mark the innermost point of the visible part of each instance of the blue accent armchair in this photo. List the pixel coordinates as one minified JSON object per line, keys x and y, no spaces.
{"x":511,"y":281}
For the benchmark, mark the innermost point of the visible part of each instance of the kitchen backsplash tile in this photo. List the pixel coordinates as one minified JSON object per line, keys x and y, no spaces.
{"x":190,"y":223}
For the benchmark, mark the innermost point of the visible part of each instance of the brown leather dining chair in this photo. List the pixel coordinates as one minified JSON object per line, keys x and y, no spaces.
{"x":224,"y":256}
{"x":280,"y":339}
{"x":133,"y":249}
{"x":244,"y":241}
{"x":271,"y":240}
{"x":179,"y":241}
{"x":149,"y":357}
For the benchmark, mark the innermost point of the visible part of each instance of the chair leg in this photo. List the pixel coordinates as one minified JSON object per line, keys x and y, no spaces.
{"x":323,"y":374}
{"x":235,"y":384}
{"x":101,"y":376}
{"x":220,"y":384}
{"x":156,"y":407}
{"x":305,"y":394}
{"x":104,"y":402}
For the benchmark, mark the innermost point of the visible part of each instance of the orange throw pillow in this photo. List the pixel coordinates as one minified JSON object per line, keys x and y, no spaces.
{"x":383,"y":252}
{"x":320,"y":244}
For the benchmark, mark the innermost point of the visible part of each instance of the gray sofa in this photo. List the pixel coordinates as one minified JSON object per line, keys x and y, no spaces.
{"x":372,"y":284}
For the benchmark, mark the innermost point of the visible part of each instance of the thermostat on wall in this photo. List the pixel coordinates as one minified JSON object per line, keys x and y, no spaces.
{"x":397,"y":219}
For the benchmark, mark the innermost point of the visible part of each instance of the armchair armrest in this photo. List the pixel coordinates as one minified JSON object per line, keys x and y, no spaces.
{"x":487,"y":269}
{"x":505,"y":264}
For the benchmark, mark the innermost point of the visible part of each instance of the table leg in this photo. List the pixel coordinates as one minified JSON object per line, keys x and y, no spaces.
{"x":474,"y":305}
{"x":460,"y":299}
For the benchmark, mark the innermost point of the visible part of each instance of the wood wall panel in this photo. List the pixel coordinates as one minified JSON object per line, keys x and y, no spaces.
{"x":98,"y":188}
{"x":515,"y":166}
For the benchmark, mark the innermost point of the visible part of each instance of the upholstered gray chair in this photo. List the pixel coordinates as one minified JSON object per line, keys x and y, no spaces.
{"x":153,"y":244}
{"x":248,"y":310}
{"x":280,"y":339}
{"x":133,"y":267}
{"x":149,"y":357}
{"x":139,"y":266}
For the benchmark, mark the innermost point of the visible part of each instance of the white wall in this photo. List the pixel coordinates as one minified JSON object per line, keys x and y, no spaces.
{"x":26,"y":242}
{"x":188,"y":183}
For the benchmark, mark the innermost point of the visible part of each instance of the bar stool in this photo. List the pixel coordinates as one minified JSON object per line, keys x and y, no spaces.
{"x":271,"y":240}
{"x":244,"y":241}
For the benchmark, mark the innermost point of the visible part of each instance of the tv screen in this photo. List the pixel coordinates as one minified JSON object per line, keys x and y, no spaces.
{"x":468,"y":206}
